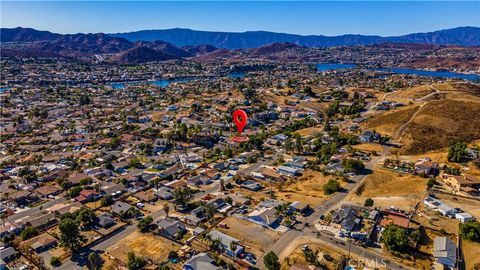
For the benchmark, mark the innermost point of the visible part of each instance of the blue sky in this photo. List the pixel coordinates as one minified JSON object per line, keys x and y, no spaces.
{"x":326,"y":18}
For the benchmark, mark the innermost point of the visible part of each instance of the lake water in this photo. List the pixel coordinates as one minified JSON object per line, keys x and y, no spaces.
{"x":332,"y":66}
{"x":409,"y":71}
{"x":165,"y":83}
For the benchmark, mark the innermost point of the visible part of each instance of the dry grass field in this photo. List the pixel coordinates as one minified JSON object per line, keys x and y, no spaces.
{"x":254,"y":237}
{"x":389,"y":188}
{"x":437,"y":120}
{"x":316,"y":106}
{"x":309,"y":132}
{"x":151,"y":246}
{"x":410,"y":94}
{"x":297,"y":257}
{"x":389,"y":122}
{"x":369,"y":147}
{"x":470,"y":253}
{"x":307,"y":189}
{"x":440,"y":122}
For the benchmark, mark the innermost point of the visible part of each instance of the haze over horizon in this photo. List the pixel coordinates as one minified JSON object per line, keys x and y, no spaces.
{"x":303,"y":18}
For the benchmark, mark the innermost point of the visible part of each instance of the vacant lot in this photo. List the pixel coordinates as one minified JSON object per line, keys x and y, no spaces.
{"x":389,"y":188}
{"x":470,"y":253}
{"x":410,"y":94}
{"x":151,"y":246}
{"x":307,"y":188}
{"x":389,"y":122}
{"x":307,"y":132}
{"x":297,"y":257}
{"x":368,"y":147}
{"x":255,"y":238}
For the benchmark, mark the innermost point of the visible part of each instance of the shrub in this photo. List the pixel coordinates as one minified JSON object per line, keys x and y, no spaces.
{"x":331,"y":186}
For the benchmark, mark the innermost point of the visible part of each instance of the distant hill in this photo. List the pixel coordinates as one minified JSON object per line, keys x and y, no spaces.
{"x":34,"y":43}
{"x":463,"y":36}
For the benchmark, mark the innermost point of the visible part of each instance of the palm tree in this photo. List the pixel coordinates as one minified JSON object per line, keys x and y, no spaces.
{"x":92,"y":258}
{"x":166,"y":208}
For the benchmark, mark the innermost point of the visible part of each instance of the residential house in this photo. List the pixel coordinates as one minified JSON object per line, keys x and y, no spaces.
{"x":439,"y":206}
{"x":164,"y":193}
{"x":146,"y":196}
{"x":47,"y":190}
{"x":445,"y":251}
{"x":266,"y":217}
{"x":426,"y":166}
{"x":201,"y":261}
{"x":6,"y":255}
{"x":366,"y":136}
{"x":170,"y":228}
{"x":251,"y":185}
{"x":41,"y":242}
{"x":105,"y":220}
{"x":468,"y":184}
{"x":75,"y":178}
{"x":119,"y":208}
{"x":226,"y":243}
{"x":289,"y":171}
{"x":463,"y":217}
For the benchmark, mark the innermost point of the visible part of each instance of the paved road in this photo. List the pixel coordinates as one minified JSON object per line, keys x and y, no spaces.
{"x":333,"y":202}
{"x":80,"y":260}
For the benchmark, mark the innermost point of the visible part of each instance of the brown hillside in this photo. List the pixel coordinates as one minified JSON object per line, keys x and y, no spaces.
{"x":439,"y":122}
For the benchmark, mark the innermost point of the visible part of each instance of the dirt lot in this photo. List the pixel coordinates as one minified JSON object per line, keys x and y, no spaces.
{"x":435,"y":221}
{"x":470,"y":253}
{"x":307,"y":189}
{"x":410,"y":94}
{"x":151,"y":246}
{"x":308,"y":132}
{"x":255,"y":238}
{"x":389,"y":188}
{"x":297,"y":257}
{"x":368,"y":147}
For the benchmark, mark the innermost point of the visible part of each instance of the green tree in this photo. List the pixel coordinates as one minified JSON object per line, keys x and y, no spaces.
{"x":182,"y":196}
{"x":395,"y":238}
{"x":431,"y":182}
{"x":55,"y":261}
{"x":135,"y":262}
{"x":457,"y":151}
{"x":145,"y":224}
{"x":271,"y":261}
{"x":352,"y":165}
{"x":368,"y":202}
{"x":331,"y":186}
{"x":70,"y":236}
{"x":28,"y":233}
{"x":75,"y":191}
{"x":86,"y":216}
{"x":470,"y":230}
{"x":173,"y":255}
{"x":166,"y":209}
{"x":93,"y":260}
{"x":107,"y":200}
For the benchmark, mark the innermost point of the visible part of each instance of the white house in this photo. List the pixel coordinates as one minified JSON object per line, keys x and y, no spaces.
{"x":463,"y":217}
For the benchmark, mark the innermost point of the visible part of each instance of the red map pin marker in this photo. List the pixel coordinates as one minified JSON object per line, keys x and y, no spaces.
{"x":240,"y":119}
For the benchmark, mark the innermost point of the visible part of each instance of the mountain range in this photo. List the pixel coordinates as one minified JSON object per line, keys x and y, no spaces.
{"x":463,"y":36}
{"x":161,"y":45}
